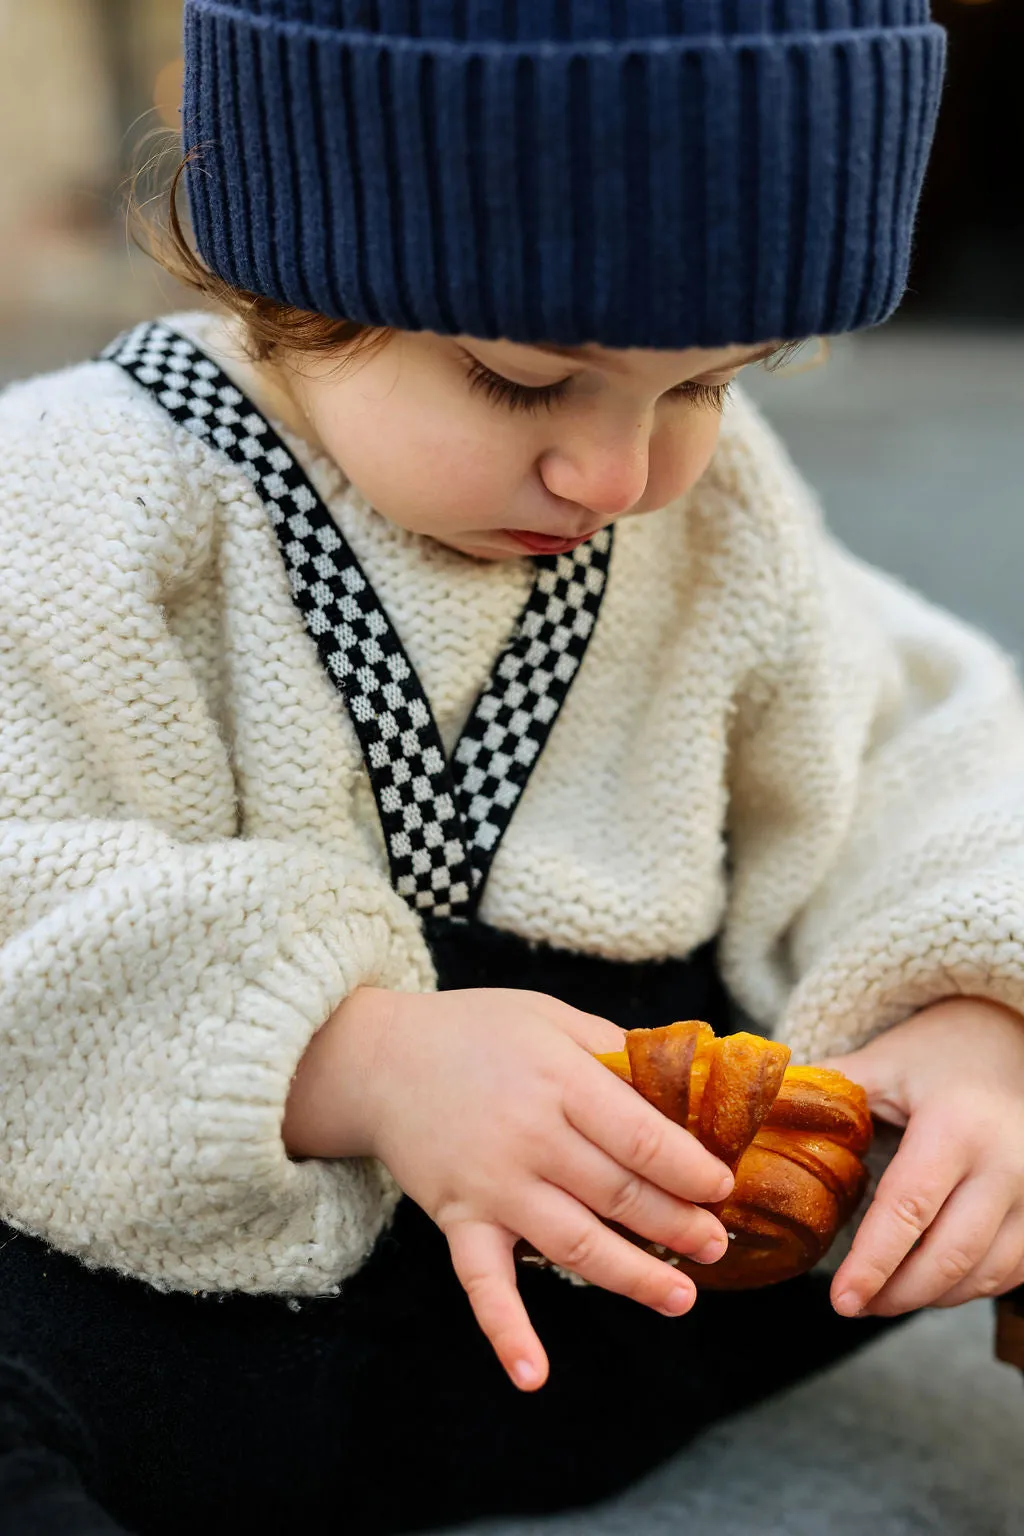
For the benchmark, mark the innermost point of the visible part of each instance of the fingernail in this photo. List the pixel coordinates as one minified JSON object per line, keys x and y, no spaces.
{"x":848,"y":1304}
{"x":712,"y":1251}
{"x":726,"y":1187}
{"x":524,"y":1374}
{"x":678,"y":1301}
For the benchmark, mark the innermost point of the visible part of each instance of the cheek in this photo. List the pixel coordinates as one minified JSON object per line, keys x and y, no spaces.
{"x":679,"y":456}
{"x":424,"y":464}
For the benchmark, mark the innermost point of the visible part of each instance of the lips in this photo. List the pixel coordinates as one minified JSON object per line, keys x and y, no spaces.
{"x":542,"y":544}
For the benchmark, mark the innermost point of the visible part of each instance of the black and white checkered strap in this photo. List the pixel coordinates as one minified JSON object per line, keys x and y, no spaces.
{"x":442,"y":823}
{"x":510,"y":722}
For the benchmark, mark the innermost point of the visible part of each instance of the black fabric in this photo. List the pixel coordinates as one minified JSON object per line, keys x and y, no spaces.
{"x":635,"y":996}
{"x":44,"y":1453}
{"x":1015,"y":1300}
{"x":383,"y":1410}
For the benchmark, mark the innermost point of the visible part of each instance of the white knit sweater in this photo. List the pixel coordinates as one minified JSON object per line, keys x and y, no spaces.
{"x":192,"y":874}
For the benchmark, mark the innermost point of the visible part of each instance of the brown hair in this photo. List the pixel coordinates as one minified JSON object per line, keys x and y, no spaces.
{"x":270,"y":326}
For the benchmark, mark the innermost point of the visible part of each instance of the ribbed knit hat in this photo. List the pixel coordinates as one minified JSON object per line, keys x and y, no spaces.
{"x":649,"y":173}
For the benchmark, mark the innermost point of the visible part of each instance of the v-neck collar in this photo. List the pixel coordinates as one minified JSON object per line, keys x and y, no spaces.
{"x":443,"y":820}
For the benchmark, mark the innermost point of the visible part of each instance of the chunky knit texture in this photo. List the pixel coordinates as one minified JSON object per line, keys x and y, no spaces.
{"x":192,"y":870}
{"x":652,"y":173}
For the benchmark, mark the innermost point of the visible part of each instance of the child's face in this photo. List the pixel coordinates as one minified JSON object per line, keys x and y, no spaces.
{"x":497,"y":449}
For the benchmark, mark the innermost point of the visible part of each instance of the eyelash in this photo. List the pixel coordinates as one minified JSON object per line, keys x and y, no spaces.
{"x":521,"y":397}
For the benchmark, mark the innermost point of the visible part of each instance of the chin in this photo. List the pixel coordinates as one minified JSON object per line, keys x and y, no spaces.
{"x":477,"y":550}
{"x":492,"y":556}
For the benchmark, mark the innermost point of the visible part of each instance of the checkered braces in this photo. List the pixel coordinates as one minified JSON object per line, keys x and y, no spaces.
{"x":515,"y":712}
{"x":441,"y":827}
{"x":357,"y":645}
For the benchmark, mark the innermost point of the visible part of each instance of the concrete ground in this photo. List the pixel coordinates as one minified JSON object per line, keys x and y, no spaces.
{"x":915,"y":440}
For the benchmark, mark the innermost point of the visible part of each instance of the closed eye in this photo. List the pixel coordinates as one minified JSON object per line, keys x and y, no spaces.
{"x":518,"y":397}
{"x":711,"y":397}
{"x":526,"y":397}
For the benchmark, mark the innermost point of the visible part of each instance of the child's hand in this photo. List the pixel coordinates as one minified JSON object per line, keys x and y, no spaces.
{"x":490,"y":1111}
{"x":947,"y":1221}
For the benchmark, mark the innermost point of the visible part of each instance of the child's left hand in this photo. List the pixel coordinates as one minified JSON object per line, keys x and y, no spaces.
{"x":947,"y":1221}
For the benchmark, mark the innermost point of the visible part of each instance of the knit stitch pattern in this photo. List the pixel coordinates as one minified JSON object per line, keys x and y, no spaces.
{"x":657,"y":173}
{"x":192,"y":870}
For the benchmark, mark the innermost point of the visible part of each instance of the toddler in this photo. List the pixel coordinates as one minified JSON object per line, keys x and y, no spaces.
{"x":422,"y":667}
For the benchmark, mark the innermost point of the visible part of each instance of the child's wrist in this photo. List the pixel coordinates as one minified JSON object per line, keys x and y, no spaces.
{"x":965,"y":1011}
{"x":329,"y":1110}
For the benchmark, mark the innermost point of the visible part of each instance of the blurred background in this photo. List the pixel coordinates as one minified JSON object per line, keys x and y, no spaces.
{"x":914,"y":435}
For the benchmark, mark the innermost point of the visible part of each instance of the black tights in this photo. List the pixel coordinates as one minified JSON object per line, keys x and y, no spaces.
{"x":382,"y":1411}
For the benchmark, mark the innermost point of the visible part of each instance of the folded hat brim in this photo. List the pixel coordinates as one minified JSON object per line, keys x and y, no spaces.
{"x":662,"y":192}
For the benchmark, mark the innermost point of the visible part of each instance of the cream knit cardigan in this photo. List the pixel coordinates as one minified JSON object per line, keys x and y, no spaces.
{"x":192,"y":875}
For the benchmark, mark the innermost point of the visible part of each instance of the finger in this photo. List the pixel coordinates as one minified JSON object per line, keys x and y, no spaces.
{"x":955,"y":1244}
{"x":604,"y":1186}
{"x":612,"y":1115}
{"x":482,"y":1259}
{"x":850,"y":1066}
{"x":886,"y":1097}
{"x":590,"y":1030}
{"x":565,"y":1232}
{"x":999,"y":1271}
{"x":911,"y":1192}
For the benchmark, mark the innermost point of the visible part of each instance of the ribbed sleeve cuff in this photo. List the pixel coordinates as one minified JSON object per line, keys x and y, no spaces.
{"x":189,"y":1186}
{"x":300,"y":1227}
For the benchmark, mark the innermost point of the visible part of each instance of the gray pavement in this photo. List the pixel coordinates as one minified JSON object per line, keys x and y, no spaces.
{"x":915,"y":441}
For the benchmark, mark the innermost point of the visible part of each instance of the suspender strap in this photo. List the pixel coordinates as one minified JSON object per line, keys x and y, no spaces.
{"x":442,"y":823}
{"x":512,"y":719}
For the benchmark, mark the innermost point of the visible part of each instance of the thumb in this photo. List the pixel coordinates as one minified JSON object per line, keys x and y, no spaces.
{"x":593,"y":1033}
{"x":875,"y":1075}
{"x":856,"y":1065}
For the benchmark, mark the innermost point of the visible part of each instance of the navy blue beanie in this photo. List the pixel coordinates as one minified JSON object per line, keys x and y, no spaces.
{"x":648,"y":173}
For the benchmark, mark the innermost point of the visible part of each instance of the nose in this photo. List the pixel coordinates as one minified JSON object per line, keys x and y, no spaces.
{"x":605,"y":473}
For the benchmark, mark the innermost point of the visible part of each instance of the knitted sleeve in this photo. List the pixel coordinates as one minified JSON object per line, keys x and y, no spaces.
{"x":877,"y":830}
{"x":161,"y":972}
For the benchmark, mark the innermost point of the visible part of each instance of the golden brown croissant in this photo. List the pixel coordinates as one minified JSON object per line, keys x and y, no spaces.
{"x":794,"y":1137}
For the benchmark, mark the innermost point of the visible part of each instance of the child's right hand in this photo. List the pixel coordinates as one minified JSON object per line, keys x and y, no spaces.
{"x":491,"y":1113}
